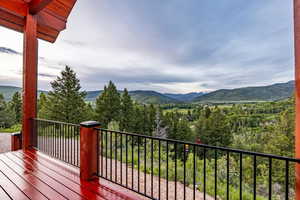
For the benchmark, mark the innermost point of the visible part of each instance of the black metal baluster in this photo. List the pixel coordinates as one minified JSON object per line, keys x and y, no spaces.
{"x":101,"y":152}
{"x":106,"y":154}
{"x":184,"y":171}
{"x":121,"y":163}
{"x":71,"y":140}
{"x":241,"y":176}
{"x":132,"y":163}
{"x":194,"y":172}
{"x":270,"y":178}
{"x":204,"y":173}
{"x":216,"y":174}
{"x":167,"y":180}
{"x":227,"y":183}
{"x":152,"y":149}
{"x":159,"y":168}
{"x":254,"y":177}
{"x":286,"y":180}
{"x":126,"y":157}
{"x":138,"y":164}
{"x":60,"y":142}
{"x":175,"y":157}
{"x":111,"y":153}
{"x":77,"y":143}
{"x":116,"y":157}
{"x":145,"y":166}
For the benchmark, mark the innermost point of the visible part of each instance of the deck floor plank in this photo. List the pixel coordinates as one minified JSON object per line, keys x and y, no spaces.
{"x":44,"y":183}
{"x":11,"y":189}
{"x":3,"y":194}
{"x":94,"y":186}
{"x":30,"y":174}
{"x":24,"y":182}
{"x":62,"y":189}
{"x":60,"y":179}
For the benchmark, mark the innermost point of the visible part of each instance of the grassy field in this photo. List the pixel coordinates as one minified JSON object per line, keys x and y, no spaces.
{"x":14,"y":128}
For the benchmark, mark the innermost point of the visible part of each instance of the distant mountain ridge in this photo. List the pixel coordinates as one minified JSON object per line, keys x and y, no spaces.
{"x":184,"y":97}
{"x":141,"y":96}
{"x":261,"y":93}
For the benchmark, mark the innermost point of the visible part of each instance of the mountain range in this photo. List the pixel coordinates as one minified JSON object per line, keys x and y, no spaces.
{"x":261,"y":93}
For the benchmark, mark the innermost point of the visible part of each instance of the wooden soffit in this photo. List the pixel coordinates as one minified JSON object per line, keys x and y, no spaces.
{"x":51,"y":15}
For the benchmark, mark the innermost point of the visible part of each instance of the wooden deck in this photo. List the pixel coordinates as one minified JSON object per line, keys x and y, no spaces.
{"x":33,"y":175}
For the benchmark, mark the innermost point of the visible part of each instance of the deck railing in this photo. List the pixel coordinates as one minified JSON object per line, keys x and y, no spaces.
{"x":57,"y":139}
{"x":160,"y":168}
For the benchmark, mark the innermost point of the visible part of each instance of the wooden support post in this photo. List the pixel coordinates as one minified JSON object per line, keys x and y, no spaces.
{"x":88,"y":150}
{"x":30,"y":60}
{"x":16,"y":141}
{"x":297,"y":92}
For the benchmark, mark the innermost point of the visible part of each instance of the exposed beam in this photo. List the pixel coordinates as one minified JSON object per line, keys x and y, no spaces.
{"x":44,"y":18}
{"x":15,"y":7}
{"x":35,"y":6}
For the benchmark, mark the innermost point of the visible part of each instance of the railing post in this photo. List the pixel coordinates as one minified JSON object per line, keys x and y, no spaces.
{"x":88,"y":149}
{"x":16,"y":141}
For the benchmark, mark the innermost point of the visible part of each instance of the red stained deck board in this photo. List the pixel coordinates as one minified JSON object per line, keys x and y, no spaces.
{"x":60,"y":187}
{"x":45,"y":182}
{"x":24,"y":185}
{"x":11,"y":189}
{"x":33,"y":175}
{"x":3,"y":194}
{"x":84,"y":192}
{"x":97,"y":189}
{"x":74,"y":176}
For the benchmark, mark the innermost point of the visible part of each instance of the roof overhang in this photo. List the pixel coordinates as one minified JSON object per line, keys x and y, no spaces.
{"x":51,"y":15}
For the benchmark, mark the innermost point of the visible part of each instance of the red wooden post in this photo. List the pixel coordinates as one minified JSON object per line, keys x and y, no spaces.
{"x":16,"y":141}
{"x":297,"y":91}
{"x":88,"y":149}
{"x":30,"y":59}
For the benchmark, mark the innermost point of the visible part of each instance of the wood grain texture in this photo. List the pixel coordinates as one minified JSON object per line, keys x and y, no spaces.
{"x":32,"y":175}
{"x":30,"y":59}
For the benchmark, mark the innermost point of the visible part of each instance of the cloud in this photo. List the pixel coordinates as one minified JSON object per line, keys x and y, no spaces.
{"x":174,"y":45}
{"x":9,"y":51}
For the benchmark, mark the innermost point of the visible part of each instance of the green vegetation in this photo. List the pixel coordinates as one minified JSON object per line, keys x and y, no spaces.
{"x":261,"y":127}
{"x":240,"y":95}
{"x":248,"y":94}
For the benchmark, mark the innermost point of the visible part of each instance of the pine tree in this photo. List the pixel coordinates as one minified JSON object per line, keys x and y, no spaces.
{"x":127,"y":111}
{"x":108,"y":105}
{"x":7,"y":116}
{"x":214,"y":130}
{"x":66,"y":100}
{"x":151,"y":119}
{"x":16,"y":106}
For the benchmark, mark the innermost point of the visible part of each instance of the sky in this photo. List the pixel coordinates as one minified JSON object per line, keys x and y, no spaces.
{"x":171,"y":46}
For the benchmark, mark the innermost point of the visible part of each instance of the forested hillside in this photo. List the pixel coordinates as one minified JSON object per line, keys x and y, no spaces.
{"x":261,"y":127}
{"x":264,"y":93}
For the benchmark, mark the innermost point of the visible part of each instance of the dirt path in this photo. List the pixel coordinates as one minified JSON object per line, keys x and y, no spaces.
{"x":139,"y":180}
{"x":4,"y":142}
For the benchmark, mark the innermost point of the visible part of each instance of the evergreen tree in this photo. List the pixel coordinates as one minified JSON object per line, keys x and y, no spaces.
{"x":89,"y":113}
{"x":66,"y":100}
{"x":127,"y":111}
{"x":214,"y":130}
{"x":42,"y":106}
{"x":16,"y":106}
{"x":7,"y":116}
{"x":108,"y":105}
{"x":151,"y":119}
